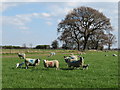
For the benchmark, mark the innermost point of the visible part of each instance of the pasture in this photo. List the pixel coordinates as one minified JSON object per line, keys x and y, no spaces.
{"x":102,"y":72}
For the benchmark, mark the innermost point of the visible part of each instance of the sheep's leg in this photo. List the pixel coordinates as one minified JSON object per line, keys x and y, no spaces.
{"x":57,"y":67}
{"x":26,"y":65}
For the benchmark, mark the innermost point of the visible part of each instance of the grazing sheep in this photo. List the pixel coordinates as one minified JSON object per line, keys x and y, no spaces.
{"x":52,"y":54}
{"x":53,"y":63}
{"x":106,"y":55}
{"x":75,"y":63}
{"x":31,"y":62}
{"x":21,"y":55}
{"x":85,"y":66}
{"x":19,"y":64}
{"x":79,"y":63}
{"x":115,"y":55}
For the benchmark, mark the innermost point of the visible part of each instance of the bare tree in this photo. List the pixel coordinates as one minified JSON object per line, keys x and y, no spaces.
{"x":81,"y":23}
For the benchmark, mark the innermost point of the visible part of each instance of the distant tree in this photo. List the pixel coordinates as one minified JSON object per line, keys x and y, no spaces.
{"x":42,"y":47}
{"x":11,"y":47}
{"x":55,"y":44}
{"x":111,"y":40}
{"x":81,"y":23}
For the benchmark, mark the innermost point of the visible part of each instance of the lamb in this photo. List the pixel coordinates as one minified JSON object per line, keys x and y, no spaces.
{"x":19,"y":64}
{"x":115,"y":55}
{"x":52,"y":54}
{"x":106,"y":55}
{"x":53,"y":63}
{"x":85,"y":66}
{"x":21,"y":55}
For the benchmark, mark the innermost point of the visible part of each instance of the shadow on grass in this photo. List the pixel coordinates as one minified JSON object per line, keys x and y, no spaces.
{"x":46,"y":69}
{"x":69,"y":69}
{"x":24,"y":68}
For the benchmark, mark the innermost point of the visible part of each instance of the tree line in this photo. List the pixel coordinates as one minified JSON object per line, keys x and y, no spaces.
{"x":54,"y":45}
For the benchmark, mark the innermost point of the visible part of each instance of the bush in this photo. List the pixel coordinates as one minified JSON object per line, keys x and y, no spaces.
{"x":42,"y":47}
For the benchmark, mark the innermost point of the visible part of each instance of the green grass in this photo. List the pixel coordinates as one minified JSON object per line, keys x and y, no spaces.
{"x":102,"y":73}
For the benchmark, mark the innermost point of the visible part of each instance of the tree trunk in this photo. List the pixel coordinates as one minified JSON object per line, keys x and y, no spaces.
{"x":109,"y":46}
{"x":78,"y":46}
{"x":85,"y":43}
{"x":96,"y":47}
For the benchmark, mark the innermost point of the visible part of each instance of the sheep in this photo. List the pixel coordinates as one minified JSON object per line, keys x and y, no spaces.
{"x":19,"y":64}
{"x":28,"y":62}
{"x":31,"y":62}
{"x":115,"y":55}
{"x":79,"y":63}
{"x":75,"y":63}
{"x":21,"y":55}
{"x":85,"y":66}
{"x":53,"y":63}
{"x":52,"y":54}
{"x":106,"y":55}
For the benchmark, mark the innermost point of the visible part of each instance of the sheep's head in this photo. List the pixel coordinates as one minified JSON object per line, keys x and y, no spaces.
{"x":81,"y":58}
{"x":37,"y":61}
{"x":44,"y":60}
{"x":67,"y":59}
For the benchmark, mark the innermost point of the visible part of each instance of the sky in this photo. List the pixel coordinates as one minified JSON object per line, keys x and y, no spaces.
{"x":36,"y":22}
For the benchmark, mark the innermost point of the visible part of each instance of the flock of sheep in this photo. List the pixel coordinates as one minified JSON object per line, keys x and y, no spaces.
{"x":71,"y":60}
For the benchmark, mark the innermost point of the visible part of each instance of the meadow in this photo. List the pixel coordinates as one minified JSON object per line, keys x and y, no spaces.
{"x":102,"y":72}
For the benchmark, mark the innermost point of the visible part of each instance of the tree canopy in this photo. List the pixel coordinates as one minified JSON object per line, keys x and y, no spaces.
{"x":84,"y":23}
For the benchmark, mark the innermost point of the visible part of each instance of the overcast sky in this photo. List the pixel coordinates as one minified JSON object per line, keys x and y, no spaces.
{"x":36,"y":22}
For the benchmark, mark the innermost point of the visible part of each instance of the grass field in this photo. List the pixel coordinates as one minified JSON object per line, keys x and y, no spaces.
{"x":102,"y":72}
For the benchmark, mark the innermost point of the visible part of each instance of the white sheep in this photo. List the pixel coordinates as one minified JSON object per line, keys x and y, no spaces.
{"x":28,"y":62}
{"x":115,"y":55}
{"x":19,"y":64}
{"x":52,"y":54}
{"x":53,"y":63}
{"x":31,"y":62}
{"x":106,"y":55}
{"x":21,"y":55}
